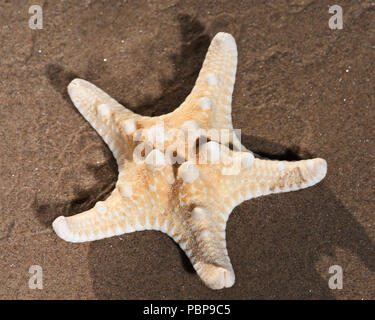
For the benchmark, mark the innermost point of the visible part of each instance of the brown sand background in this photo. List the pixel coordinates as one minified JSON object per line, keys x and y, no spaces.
{"x":302,"y":91}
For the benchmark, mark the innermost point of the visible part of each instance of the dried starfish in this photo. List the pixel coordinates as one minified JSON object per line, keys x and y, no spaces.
{"x":191,"y":202}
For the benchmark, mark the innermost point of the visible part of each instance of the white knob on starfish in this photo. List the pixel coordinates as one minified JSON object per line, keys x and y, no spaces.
{"x":247,"y":159}
{"x":204,"y":103}
{"x":188,"y":171}
{"x":190,"y":126}
{"x":210,"y":151}
{"x":125,"y":189}
{"x":129,"y":126}
{"x":155,"y":160}
{"x":156,"y":134}
{"x":104,"y":110}
{"x":199,"y":213}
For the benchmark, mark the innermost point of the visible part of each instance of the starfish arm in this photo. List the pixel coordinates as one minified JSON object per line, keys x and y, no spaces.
{"x":272,"y":176}
{"x":209,"y":103}
{"x":130,"y":207}
{"x":109,"y":118}
{"x":108,"y":218}
{"x":214,"y":86}
{"x":203,"y":241}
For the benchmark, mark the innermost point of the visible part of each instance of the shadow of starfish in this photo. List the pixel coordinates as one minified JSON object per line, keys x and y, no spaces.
{"x":187,"y":63}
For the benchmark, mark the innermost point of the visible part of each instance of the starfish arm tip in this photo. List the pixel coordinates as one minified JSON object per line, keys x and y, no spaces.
{"x":216,"y":277}
{"x":61,"y":228}
{"x":209,"y":103}
{"x":320,"y":169}
{"x":226,"y":38}
{"x":76,"y":83}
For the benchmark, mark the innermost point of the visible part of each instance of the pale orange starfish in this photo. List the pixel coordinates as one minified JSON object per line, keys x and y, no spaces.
{"x":190,"y":200}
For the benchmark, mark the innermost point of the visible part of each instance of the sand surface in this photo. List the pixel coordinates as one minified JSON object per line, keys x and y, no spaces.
{"x":302,"y":90}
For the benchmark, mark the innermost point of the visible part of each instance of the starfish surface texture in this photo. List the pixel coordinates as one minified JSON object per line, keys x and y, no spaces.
{"x":190,"y":200}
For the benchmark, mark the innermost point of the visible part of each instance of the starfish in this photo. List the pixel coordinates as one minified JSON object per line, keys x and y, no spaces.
{"x":190,"y":198}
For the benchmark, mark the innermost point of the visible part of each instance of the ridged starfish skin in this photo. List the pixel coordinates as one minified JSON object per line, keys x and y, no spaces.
{"x":191,"y":202}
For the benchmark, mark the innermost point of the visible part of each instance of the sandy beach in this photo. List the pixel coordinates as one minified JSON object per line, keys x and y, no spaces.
{"x":302,"y":91}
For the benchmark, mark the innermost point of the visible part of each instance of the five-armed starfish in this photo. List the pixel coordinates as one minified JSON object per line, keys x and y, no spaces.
{"x":190,"y":201}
